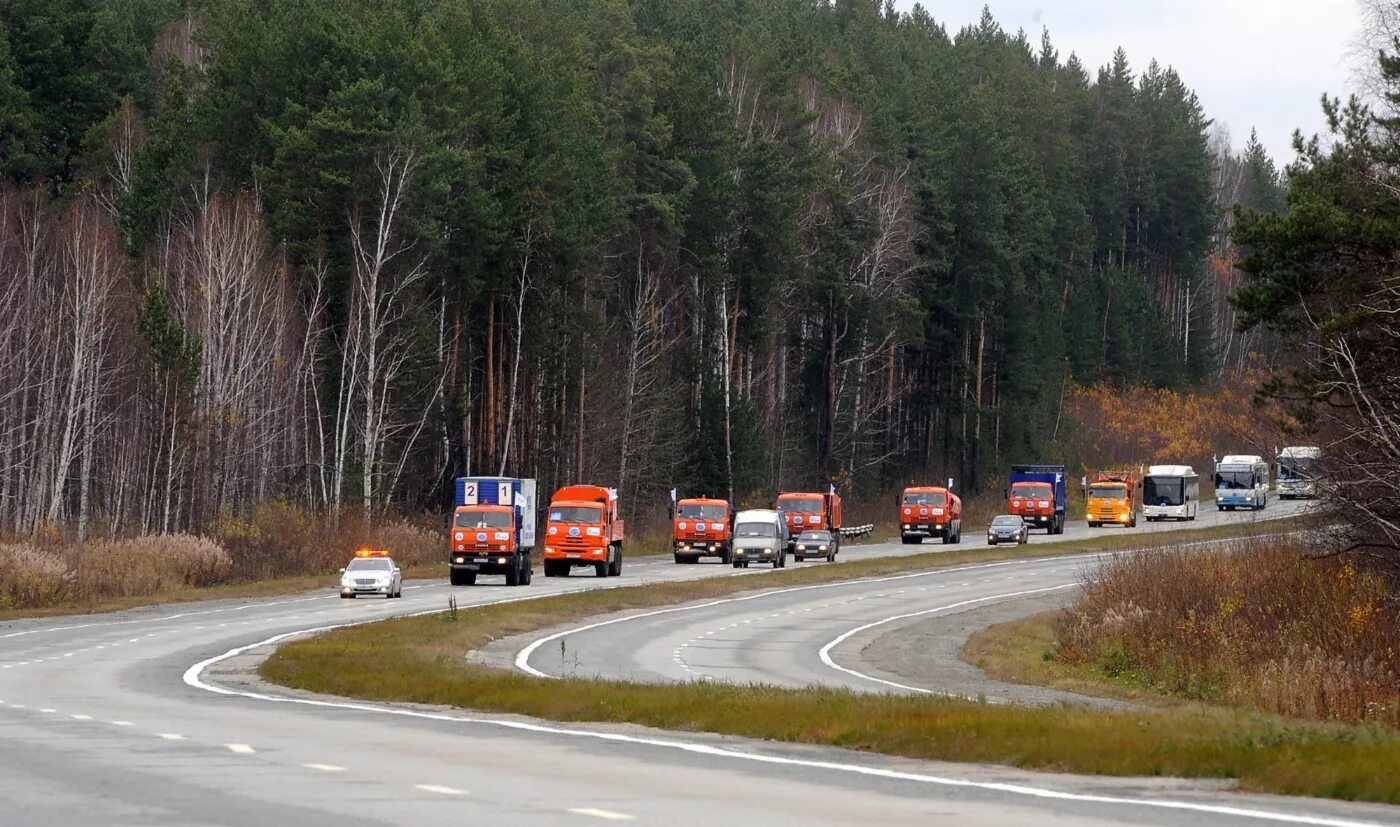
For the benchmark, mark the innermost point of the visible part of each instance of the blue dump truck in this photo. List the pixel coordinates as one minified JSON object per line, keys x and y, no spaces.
{"x":1037,"y":495}
{"x":492,"y":530}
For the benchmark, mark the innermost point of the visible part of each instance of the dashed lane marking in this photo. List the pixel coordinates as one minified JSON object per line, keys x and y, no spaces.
{"x":240,"y":749}
{"x":170,"y":736}
{"x":324,"y":767}
{"x":439,"y":789}
{"x":604,"y":814}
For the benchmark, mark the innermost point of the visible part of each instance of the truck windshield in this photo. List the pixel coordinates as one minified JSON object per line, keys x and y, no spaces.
{"x":484,"y":519}
{"x":805,"y":506}
{"x":1030,"y":492}
{"x":575,"y":514}
{"x":924,"y":498}
{"x":756,"y":530}
{"x":1115,"y":491}
{"x":1163,"y":490}
{"x":693,"y":511}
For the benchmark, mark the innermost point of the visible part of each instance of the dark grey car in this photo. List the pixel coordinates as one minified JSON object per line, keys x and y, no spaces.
{"x":1007,"y":528}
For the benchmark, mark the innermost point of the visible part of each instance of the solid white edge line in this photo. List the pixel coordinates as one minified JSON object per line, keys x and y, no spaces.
{"x":193,"y":677}
{"x":825,"y":652}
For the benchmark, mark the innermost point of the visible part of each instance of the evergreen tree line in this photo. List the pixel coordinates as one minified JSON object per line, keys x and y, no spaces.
{"x":341,"y":251}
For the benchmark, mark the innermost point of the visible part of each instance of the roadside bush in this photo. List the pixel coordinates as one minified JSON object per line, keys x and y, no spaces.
{"x":146,"y":565}
{"x":30,"y":577}
{"x":1256,"y":625}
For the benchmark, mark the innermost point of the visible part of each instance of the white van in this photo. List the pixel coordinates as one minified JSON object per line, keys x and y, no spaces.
{"x":760,"y":535}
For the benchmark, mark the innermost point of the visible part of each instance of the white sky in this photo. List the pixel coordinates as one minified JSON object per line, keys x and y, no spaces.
{"x":1253,"y":63}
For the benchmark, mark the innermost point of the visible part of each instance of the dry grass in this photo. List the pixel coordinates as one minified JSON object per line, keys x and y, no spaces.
{"x":421,"y":660}
{"x":275,"y":546}
{"x":1259,"y":625}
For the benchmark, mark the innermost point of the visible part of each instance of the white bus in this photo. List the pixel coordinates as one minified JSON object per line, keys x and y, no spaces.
{"x":1241,"y":481}
{"x":1170,"y":492}
{"x":1296,"y":471}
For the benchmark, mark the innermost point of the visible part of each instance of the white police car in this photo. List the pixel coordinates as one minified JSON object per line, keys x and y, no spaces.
{"x":371,"y":572}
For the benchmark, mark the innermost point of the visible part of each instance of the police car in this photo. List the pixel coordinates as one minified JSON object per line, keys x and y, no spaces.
{"x":371,"y":572}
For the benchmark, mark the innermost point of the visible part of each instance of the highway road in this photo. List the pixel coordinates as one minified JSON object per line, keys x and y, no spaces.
{"x":151,"y":717}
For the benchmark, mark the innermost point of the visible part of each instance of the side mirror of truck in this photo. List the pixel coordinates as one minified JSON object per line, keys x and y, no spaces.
{"x":342,"y":571}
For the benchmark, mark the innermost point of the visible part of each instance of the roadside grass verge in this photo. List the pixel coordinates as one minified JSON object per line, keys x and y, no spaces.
{"x":421,"y":660}
{"x":1023,"y":651}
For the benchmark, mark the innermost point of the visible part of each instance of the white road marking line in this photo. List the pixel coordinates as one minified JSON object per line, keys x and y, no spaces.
{"x":46,"y":709}
{"x":81,"y":717}
{"x":825,"y":652}
{"x":324,"y":767}
{"x":122,"y":723}
{"x":605,"y":814}
{"x":170,"y":736}
{"x":440,"y":790}
{"x":16,"y":706}
{"x":240,"y":749}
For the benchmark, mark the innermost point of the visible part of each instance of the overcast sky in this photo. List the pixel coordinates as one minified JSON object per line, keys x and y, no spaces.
{"x":1254,"y":63}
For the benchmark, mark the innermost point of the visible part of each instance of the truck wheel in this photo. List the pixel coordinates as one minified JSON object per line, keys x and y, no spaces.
{"x":457,"y":577}
{"x":529,"y":570}
{"x":513,"y":573}
{"x":910,"y":540}
{"x":738,"y":565}
{"x":726,"y":557}
{"x":615,"y":568}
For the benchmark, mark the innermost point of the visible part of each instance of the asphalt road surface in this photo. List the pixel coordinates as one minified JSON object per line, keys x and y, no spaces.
{"x":148,"y":717}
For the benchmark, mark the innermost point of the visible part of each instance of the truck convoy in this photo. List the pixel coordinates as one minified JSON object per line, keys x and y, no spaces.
{"x":1296,"y":471}
{"x":1037,"y":495}
{"x":1241,"y":481}
{"x":1170,"y":492}
{"x":1111,"y":501}
{"x":583,"y":529}
{"x":929,"y":511}
{"x":702,"y":527}
{"x":493,"y":530}
{"x":802,"y":512}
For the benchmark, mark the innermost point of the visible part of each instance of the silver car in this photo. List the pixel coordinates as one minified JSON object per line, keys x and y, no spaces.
{"x":1008,"y":528}
{"x":371,"y":574}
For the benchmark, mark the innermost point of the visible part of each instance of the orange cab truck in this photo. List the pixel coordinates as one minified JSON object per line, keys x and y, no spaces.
{"x":583,"y":529}
{"x":702,"y":527}
{"x":811,"y":512}
{"x":1037,"y":495}
{"x":930,"y":511}
{"x":1112,"y":501}
{"x":493,"y":530}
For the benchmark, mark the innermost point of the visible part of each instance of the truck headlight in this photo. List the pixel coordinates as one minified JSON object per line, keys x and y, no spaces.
{"x":906,"y":525}
{"x":1123,"y":517}
{"x":1249,"y":498}
{"x":460,"y":560}
{"x":549,"y":549}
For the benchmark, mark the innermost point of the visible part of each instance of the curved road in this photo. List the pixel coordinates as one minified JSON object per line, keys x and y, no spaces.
{"x":148,"y":717}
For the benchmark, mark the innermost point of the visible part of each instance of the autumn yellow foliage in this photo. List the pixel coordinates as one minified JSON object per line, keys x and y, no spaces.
{"x":1117,"y":426}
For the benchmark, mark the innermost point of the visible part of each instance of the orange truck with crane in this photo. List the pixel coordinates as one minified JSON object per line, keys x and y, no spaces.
{"x":702,"y":527}
{"x":929,"y":511}
{"x":811,"y":512}
{"x":583,"y":528}
{"x":1112,"y":500}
